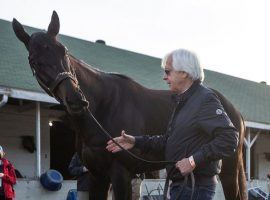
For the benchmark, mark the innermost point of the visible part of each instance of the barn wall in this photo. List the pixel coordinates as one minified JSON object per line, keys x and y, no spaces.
{"x":32,"y":190}
{"x":262,"y":146}
{"x":17,"y":121}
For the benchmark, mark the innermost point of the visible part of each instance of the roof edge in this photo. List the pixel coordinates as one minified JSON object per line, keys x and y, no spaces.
{"x":42,"y":97}
{"x":27,"y":95}
{"x":257,"y":125}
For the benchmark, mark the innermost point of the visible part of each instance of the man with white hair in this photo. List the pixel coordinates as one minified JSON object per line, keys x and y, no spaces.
{"x":199,"y":133}
{"x":7,"y":178}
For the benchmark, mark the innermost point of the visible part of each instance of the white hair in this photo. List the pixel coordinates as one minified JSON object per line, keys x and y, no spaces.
{"x":187,"y":61}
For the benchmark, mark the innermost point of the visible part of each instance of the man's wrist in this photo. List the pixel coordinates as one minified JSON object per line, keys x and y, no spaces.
{"x":192,"y":162}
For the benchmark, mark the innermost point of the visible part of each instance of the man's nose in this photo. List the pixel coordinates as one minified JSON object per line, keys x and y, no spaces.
{"x":165,"y":77}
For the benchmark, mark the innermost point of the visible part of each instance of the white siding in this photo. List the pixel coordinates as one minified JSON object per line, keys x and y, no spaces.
{"x":262,"y":166}
{"x":15,"y":123}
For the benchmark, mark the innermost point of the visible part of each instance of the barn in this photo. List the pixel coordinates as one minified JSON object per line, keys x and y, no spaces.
{"x":34,"y":131}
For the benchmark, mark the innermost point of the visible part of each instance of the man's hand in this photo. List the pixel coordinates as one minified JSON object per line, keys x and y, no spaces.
{"x":184,"y":166}
{"x":1,"y":175}
{"x":126,"y":141}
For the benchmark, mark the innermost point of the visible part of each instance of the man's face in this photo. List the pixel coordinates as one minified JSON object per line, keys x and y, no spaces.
{"x":175,"y":79}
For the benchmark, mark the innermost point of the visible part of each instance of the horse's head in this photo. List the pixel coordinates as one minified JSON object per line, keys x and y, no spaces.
{"x":51,"y":65}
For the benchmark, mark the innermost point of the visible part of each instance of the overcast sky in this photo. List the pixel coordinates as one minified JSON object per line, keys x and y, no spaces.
{"x":229,"y":36}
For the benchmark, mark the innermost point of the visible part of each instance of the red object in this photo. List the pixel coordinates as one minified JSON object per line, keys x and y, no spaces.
{"x":9,"y":179}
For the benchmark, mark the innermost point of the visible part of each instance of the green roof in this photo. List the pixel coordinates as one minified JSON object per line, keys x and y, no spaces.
{"x":251,"y":98}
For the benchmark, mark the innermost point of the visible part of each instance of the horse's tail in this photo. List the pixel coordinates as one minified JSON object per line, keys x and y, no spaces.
{"x":242,"y":183}
{"x":241,"y":175}
{"x":232,"y":174}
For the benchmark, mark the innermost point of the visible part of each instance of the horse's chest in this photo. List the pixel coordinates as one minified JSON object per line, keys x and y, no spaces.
{"x":97,"y":156}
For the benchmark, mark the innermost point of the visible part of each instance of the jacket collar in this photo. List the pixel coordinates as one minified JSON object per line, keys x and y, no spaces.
{"x":188,"y":93}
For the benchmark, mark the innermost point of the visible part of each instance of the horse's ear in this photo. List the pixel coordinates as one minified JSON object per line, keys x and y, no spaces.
{"x":20,"y":33}
{"x":54,"y":25}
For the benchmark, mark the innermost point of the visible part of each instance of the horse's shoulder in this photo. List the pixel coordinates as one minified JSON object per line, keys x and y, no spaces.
{"x":208,"y":92}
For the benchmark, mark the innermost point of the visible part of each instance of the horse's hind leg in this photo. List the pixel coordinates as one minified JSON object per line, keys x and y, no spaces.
{"x":121,"y":182}
{"x":99,"y":186}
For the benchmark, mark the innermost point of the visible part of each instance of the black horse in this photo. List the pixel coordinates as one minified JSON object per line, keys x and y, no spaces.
{"x":118,"y":103}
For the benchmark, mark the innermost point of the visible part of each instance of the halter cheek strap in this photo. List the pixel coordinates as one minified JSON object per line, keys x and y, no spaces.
{"x":59,"y":78}
{"x":44,"y":87}
{"x":62,"y":76}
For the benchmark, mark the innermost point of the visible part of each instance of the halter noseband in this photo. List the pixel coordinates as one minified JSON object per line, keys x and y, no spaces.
{"x":58,"y":80}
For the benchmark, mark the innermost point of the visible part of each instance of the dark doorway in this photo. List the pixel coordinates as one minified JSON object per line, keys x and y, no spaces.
{"x":62,"y":140}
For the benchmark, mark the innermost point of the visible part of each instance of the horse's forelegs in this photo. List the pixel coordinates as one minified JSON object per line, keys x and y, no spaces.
{"x":99,"y":186}
{"x":121,"y":181}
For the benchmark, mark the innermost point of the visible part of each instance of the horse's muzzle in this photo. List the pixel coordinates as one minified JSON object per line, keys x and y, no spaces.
{"x":77,"y":107}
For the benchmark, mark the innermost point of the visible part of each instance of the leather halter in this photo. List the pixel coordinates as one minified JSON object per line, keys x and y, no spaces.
{"x":58,"y":80}
{"x":64,"y":75}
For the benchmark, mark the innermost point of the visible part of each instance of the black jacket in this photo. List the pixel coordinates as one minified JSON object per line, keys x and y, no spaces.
{"x":199,"y":126}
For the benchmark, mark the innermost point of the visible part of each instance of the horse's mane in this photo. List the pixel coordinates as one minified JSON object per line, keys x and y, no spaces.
{"x":103,"y":73}
{"x":128,"y":82}
{"x":84,"y":64}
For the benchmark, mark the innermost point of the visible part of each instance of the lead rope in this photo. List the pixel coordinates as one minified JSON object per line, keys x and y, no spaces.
{"x":166,"y":187}
{"x":132,"y":154}
{"x":73,"y":77}
{"x":149,"y":161}
{"x":127,"y":151}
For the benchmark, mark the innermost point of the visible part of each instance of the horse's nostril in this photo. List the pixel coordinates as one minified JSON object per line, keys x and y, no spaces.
{"x":85,"y":103}
{"x":69,"y":102}
{"x":76,"y":103}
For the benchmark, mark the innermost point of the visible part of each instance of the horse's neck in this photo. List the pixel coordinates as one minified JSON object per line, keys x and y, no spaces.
{"x":90,"y":82}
